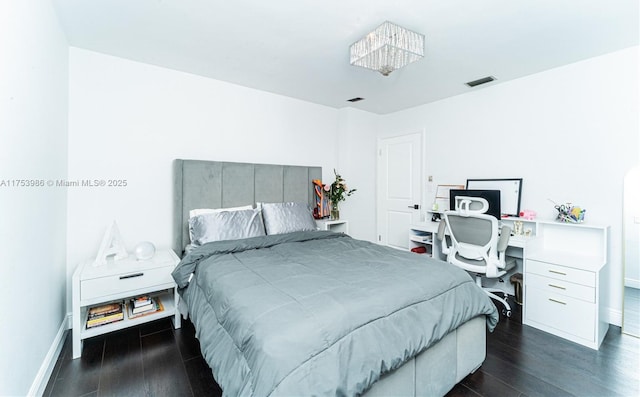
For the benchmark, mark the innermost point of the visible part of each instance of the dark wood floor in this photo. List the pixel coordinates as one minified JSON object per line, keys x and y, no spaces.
{"x":156,"y":360}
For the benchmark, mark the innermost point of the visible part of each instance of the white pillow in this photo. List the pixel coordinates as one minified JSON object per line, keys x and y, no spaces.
{"x":202,"y":211}
{"x":287,"y":217}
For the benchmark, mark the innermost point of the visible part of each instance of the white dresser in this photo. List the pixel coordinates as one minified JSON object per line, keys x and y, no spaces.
{"x":564,"y":283}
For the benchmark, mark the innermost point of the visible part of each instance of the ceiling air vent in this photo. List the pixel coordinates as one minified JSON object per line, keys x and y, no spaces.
{"x":356,"y":99}
{"x":483,"y":80}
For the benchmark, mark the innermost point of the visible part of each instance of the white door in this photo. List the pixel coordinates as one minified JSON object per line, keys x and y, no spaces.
{"x":399,"y":189}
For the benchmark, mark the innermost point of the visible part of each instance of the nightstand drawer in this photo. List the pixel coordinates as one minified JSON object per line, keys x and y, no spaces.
{"x":122,"y":283}
{"x":561,"y":287}
{"x":564,"y":273}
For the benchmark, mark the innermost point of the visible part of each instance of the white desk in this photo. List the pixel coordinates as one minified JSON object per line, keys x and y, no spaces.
{"x":563,"y":268}
{"x":564,"y":280}
{"x":519,"y":241}
{"x":425,"y":234}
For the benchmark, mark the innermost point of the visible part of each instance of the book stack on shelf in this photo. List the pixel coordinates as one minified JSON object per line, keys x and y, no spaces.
{"x":104,"y":314}
{"x":143,"y":305}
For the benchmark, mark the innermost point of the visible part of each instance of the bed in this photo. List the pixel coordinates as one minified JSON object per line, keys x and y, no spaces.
{"x":315,"y":312}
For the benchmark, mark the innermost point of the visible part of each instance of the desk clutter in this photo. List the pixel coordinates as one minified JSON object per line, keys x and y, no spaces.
{"x":569,"y":213}
{"x":519,"y":229}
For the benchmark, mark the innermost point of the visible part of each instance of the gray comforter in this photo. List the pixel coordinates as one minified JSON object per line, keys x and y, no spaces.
{"x":318,"y":312}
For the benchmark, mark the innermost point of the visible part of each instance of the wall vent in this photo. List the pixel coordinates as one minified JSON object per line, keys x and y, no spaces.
{"x":483,"y":80}
{"x":356,"y":99}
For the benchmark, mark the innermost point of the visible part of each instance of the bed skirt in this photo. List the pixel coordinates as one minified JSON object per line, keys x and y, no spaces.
{"x":436,"y":370}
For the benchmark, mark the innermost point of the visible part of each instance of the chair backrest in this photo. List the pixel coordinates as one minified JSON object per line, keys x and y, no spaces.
{"x":474,"y":239}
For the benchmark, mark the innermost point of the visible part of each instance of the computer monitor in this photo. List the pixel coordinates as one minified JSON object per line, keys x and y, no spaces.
{"x":492,"y":197}
{"x":510,"y":192}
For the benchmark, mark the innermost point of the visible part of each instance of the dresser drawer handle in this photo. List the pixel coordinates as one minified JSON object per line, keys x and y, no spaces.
{"x":557,"y":301}
{"x":556,"y":286}
{"x":131,"y":276}
{"x":557,"y":272}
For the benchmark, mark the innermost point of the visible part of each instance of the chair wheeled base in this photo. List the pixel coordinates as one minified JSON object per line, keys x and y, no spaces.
{"x":491,"y":292}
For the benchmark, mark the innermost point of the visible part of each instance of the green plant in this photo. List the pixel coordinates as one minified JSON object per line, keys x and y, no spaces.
{"x":338,"y":190}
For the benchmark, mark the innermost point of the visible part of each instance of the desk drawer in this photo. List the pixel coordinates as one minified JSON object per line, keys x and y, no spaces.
{"x":121,"y":283}
{"x":573,"y":316}
{"x":559,"y":272}
{"x":561,"y":287}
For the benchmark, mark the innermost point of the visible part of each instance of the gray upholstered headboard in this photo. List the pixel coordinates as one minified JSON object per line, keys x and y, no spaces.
{"x":215,"y":184}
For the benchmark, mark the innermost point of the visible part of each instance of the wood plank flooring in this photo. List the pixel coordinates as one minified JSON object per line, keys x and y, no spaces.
{"x":156,"y":360}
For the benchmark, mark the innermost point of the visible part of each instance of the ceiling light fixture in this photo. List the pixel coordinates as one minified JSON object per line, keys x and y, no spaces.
{"x":389,"y":47}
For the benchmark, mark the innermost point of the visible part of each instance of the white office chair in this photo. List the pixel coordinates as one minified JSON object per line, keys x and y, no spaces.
{"x":475,"y":244}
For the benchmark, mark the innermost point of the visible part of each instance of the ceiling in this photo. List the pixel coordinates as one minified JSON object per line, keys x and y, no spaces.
{"x":300,"y":48}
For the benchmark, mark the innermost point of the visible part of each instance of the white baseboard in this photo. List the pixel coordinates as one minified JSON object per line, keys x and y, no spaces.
{"x":49,"y":363}
{"x":633,"y":283}
{"x":613,"y":317}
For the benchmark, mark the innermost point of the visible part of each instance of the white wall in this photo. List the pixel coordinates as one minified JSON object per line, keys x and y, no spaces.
{"x":129,"y":120}
{"x":357,"y":138}
{"x":33,"y":132}
{"x":571,"y":133}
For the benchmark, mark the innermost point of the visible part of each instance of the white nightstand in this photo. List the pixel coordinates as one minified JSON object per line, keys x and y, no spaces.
{"x":337,"y":225}
{"x":116,"y":281}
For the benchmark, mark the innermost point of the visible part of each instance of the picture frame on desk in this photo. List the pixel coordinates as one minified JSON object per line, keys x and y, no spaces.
{"x":441,"y":201}
{"x":442,"y":191}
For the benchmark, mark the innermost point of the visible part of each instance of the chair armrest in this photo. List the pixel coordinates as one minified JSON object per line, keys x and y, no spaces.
{"x":505,"y":233}
{"x":441,"y":236}
{"x":441,"y":230}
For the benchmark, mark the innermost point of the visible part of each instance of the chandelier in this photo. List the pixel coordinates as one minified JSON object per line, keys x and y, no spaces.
{"x":387,"y":48}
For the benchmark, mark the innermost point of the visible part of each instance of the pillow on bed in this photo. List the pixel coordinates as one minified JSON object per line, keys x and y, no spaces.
{"x":225,"y":225}
{"x":202,"y":211}
{"x":287,"y":218}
